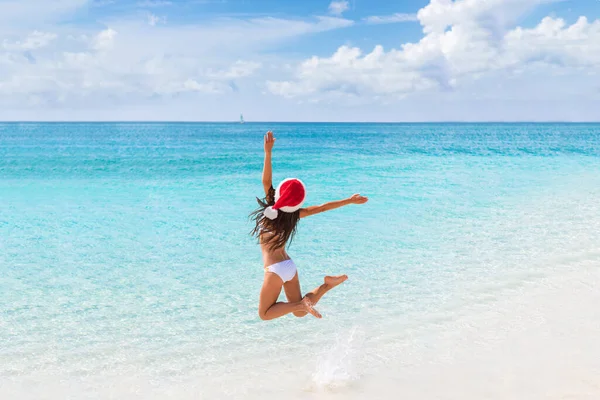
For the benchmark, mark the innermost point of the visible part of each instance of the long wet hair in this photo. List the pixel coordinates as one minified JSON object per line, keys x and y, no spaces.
{"x":280,"y":230}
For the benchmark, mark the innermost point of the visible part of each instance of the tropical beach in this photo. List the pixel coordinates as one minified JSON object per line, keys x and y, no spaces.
{"x":440,"y":160}
{"x":473,"y":269}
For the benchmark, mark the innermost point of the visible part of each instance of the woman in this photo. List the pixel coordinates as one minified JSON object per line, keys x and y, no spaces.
{"x":276,"y":220}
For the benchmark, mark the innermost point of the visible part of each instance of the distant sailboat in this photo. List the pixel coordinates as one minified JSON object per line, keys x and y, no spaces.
{"x":241,"y":118}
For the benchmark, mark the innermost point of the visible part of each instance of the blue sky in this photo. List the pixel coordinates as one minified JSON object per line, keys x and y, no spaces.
{"x":312,"y":60}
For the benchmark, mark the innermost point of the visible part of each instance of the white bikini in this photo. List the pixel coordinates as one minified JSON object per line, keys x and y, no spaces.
{"x":285,"y":269}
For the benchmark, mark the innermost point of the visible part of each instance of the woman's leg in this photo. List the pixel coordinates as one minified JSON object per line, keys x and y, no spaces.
{"x":329,"y":283}
{"x":268,"y":308}
{"x":293,"y":293}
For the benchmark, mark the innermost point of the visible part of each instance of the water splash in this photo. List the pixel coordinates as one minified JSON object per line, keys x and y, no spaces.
{"x":335,"y":366}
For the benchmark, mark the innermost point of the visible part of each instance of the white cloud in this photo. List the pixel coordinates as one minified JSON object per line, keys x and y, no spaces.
{"x":105,"y":39}
{"x":338,"y":7}
{"x":554,"y":42}
{"x":35,"y":40}
{"x":22,"y":13}
{"x":391,"y":19}
{"x":153,"y":4}
{"x":239,"y":69}
{"x":153,"y":20}
{"x":492,"y":15}
{"x":130,"y":59}
{"x":464,"y":40}
{"x":103,"y":3}
{"x":210,"y":87}
{"x":349,"y":72}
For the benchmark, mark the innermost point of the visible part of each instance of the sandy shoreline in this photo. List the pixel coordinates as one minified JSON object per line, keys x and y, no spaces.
{"x":538,"y":343}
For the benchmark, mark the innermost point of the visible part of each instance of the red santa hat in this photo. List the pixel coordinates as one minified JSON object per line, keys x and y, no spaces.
{"x":289,"y":197}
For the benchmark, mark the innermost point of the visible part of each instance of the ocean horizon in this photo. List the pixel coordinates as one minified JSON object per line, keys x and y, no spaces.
{"x":473,"y":122}
{"x":127,"y":270}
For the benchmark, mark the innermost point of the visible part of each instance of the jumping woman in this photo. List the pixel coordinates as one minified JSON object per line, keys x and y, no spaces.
{"x":276,"y":219}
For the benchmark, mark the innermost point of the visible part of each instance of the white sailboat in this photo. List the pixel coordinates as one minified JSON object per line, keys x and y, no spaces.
{"x":241,"y":118}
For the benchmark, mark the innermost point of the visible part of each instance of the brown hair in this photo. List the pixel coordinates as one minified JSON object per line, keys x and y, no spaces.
{"x":280,"y":229}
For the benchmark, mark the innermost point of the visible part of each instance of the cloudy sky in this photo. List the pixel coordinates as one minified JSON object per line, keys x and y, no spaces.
{"x":310,"y":60}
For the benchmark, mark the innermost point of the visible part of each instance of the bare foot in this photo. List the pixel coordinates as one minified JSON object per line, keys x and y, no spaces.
{"x":333,"y":281}
{"x":308,"y":305}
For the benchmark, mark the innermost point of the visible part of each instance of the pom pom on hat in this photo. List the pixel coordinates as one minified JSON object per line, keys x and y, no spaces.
{"x":271,"y":213}
{"x":289,"y":197}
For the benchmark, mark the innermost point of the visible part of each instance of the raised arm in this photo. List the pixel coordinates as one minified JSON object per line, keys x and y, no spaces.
{"x":312,"y":210}
{"x":267,"y":176}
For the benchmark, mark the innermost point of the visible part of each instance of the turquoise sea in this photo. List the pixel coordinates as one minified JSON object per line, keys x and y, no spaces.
{"x":127,"y":269}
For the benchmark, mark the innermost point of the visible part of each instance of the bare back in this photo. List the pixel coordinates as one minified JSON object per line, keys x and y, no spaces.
{"x":271,"y":256}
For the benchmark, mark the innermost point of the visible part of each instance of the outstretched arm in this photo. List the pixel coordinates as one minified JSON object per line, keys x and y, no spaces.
{"x":267,"y":176}
{"x":312,"y":210}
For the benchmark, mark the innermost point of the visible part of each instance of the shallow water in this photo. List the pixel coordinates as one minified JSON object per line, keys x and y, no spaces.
{"x":126,"y":269}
